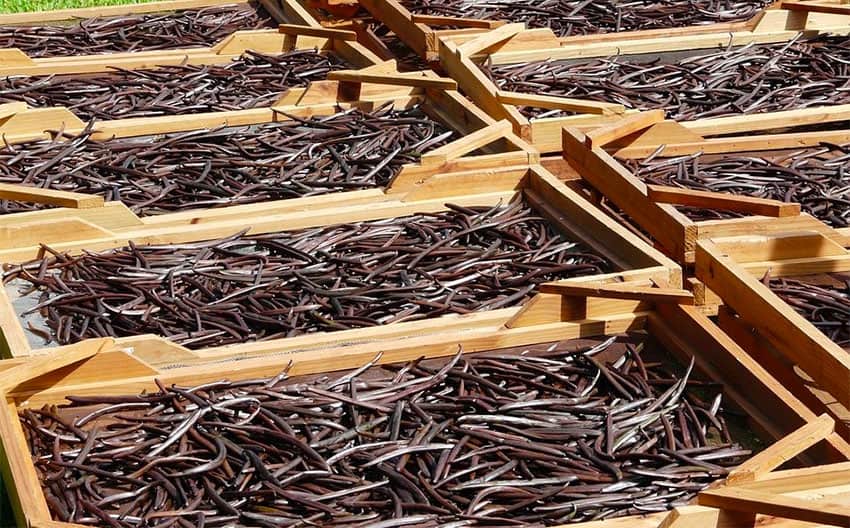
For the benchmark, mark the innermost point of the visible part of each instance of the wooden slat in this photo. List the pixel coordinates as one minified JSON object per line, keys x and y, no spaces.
{"x":817,"y":7}
{"x":338,"y":34}
{"x":568,"y":104}
{"x":723,"y":201}
{"x":10,"y":109}
{"x":24,"y":487}
{"x":789,"y":332}
{"x":417,"y":79}
{"x":45,"y":364}
{"x":466,"y":144}
{"x":491,"y":38}
{"x":783,"y":450}
{"x":667,"y":225}
{"x":623,"y":127}
{"x":769,"y":120}
{"x":621,"y":291}
{"x":434,"y":20}
{"x":734,"y":498}
{"x":39,"y":195}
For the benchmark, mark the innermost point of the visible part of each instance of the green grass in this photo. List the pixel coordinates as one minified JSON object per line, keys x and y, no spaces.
{"x":21,"y":6}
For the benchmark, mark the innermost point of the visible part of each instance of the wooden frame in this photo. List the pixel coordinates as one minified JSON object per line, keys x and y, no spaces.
{"x":84,"y":213}
{"x":460,"y":55}
{"x":654,"y":209}
{"x":419,"y":189}
{"x":784,"y":340}
{"x":682,"y":330}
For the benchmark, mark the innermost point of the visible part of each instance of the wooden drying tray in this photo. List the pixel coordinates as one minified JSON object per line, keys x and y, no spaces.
{"x":88,"y":216}
{"x":654,"y":210}
{"x":733,"y":267}
{"x":109,"y":368}
{"x":270,"y":41}
{"x":460,"y":56}
{"x":420,"y":191}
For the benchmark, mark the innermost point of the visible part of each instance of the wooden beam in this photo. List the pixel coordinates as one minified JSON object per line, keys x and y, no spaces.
{"x":673,"y":230}
{"x":337,"y":34}
{"x":737,"y":499}
{"x":39,"y":195}
{"x":723,"y":201}
{"x":492,"y":38}
{"x":789,"y":332}
{"x":715,"y":126}
{"x":626,"y":126}
{"x":461,"y":22}
{"x":620,"y":291}
{"x":550,"y":102}
{"x":416,"y":79}
{"x":467,"y":144}
{"x":813,"y":7}
{"x":10,"y":109}
{"x":42,"y":365}
{"x":783,"y":450}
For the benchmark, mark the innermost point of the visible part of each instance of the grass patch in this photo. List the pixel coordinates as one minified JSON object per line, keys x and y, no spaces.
{"x":21,"y":6}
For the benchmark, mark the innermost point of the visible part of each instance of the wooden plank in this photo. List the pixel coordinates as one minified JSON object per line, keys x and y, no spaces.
{"x":467,"y":144}
{"x":55,"y":118}
{"x":39,"y":195}
{"x":560,"y":103}
{"x":41,"y":232}
{"x":489,"y":39}
{"x":573,"y":214}
{"x":734,"y":498}
{"x":467,"y":182}
{"x":417,"y":79}
{"x":480,"y":88}
{"x":785,"y":373}
{"x":24,"y":486}
{"x":396,"y":17}
{"x":14,"y":341}
{"x":789,"y":332}
{"x":10,"y":109}
{"x":45,"y":364}
{"x":783,"y":450}
{"x":722,"y":201}
{"x":769,"y":120}
{"x":754,"y":248}
{"x":623,"y":127}
{"x":337,"y":34}
{"x":667,"y":225}
{"x":261,"y":224}
{"x":817,"y":7}
{"x":740,"y":144}
{"x":434,"y":20}
{"x":621,"y":291}
{"x":412,"y":175}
